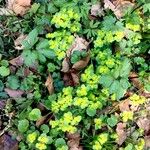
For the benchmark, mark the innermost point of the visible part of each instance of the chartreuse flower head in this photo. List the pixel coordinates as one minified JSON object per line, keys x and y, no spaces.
{"x":43,"y":138}
{"x":67,"y":123}
{"x":127,"y":115}
{"x":137,"y":100}
{"x":31,"y":137}
{"x":41,"y":146}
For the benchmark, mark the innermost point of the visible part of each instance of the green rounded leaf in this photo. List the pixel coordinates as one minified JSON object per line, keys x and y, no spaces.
{"x":91,"y":112}
{"x":35,"y":114}
{"x":4,"y":71}
{"x":23,"y":125}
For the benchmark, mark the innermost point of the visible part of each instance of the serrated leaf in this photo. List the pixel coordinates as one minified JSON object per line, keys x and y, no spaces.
{"x":106,"y":80}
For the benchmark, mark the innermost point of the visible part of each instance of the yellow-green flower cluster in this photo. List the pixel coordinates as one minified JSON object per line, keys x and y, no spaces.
{"x":81,"y":102}
{"x":101,"y":140}
{"x":134,"y":27}
{"x":106,"y":37}
{"x":82,"y":90}
{"x":98,"y":123}
{"x":43,"y":139}
{"x":137,"y":100}
{"x":127,"y":115}
{"x":59,"y":42}
{"x":90,"y":78}
{"x":67,"y":18}
{"x":140,"y":145}
{"x":31,"y":137}
{"x":64,"y":100}
{"x":67,"y":123}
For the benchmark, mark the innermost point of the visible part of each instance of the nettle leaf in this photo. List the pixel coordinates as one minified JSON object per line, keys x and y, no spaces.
{"x":13,"y":82}
{"x":112,"y":121}
{"x":91,"y":112}
{"x":35,"y":114}
{"x":4,"y":71}
{"x":23,"y":125}
{"x":44,"y":43}
{"x":31,"y":39}
{"x":125,"y":83}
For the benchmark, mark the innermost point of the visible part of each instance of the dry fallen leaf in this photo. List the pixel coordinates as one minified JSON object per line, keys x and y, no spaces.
{"x":49,"y":84}
{"x":74,"y":141}
{"x":124,"y":106}
{"x":14,"y":93}
{"x":18,"y":61}
{"x":18,"y":42}
{"x":147,"y":142}
{"x":118,"y":7}
{"x":144,"y":123}
{"x":121,"y":133}
{"x":97,"y":10}
{"x":5,"y":12}
{"x":20,"y":7}
{"x":65,"y":65}
{"x":7,"y":143}
{"x":81,"y":63}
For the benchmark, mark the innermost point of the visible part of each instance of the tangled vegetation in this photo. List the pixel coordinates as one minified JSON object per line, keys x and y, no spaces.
{"x":75,"y":75}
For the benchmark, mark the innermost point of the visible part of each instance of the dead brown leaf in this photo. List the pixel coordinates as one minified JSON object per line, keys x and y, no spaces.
{"x":49,"y":84}
{"x":121,"y":132}
{"x":20,"y":7}
{"x":5,"y":12}
{"x":81,"y":63}
{"x":65,"y":65}
{"x":144,"y":123}
{"x":18,"y":42}
{"x":74,"y":141}
{"x":43,"y":119}
{"x":14,"y":93}
{"x":18,"y":61}
{"x":75,"y":78}
{"x":147,"y":142}
{"x":124,"y":105}
{"x":7,"y":143}
{"x":118,"y":6}
{"x":97,"y":10}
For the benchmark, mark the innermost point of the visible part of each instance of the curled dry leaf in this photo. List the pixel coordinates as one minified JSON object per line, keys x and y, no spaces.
{"x":97,"y":10}
{"x":5,"y":12}
{"x":14,"y":93}
{"x":81,"y":63}
{"x":8,"y":143}
{"x":74,"y":141}
{"x":49,"y":84}
{"x":18,"y":42}
{"x":124,"y":105}
{"x":144,"y":123}
{"x":121,"y":132}
{"x":20,"y":7}
{"x":147,"y":143}
{"x":18,"y":61}
{"x":118,"y":6}
{"x":75,"y":78}
{"x":65,"y":65}
{"x":43,"y":120}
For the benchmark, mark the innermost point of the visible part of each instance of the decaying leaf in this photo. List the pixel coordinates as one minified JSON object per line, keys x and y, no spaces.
{"x":7,"y":143}
{"x":14,"y":93}
{"x":65,"y":65}
{"x":49,"y":84}
{"x":18,"y":42}
{"x":124,"y":105}
{"x":147,"y":143}
{"x":20,"y":7}
{"x":75,"y":78}
{"x":121,"y":133}
{"x":74,"y":141}
{"x":118,"y":7}
{"x":97,"y":10}
{"x":18,"y":61}
{"x":43,"y":119}
{"x":144,"y":123}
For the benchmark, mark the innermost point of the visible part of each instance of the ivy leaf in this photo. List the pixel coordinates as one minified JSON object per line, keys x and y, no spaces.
{"x":4,"y":71}
{"x":91,"y":112}
{"x":35,"y":114}
{"x":23,"y":125}
{"x":112,"y":121}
